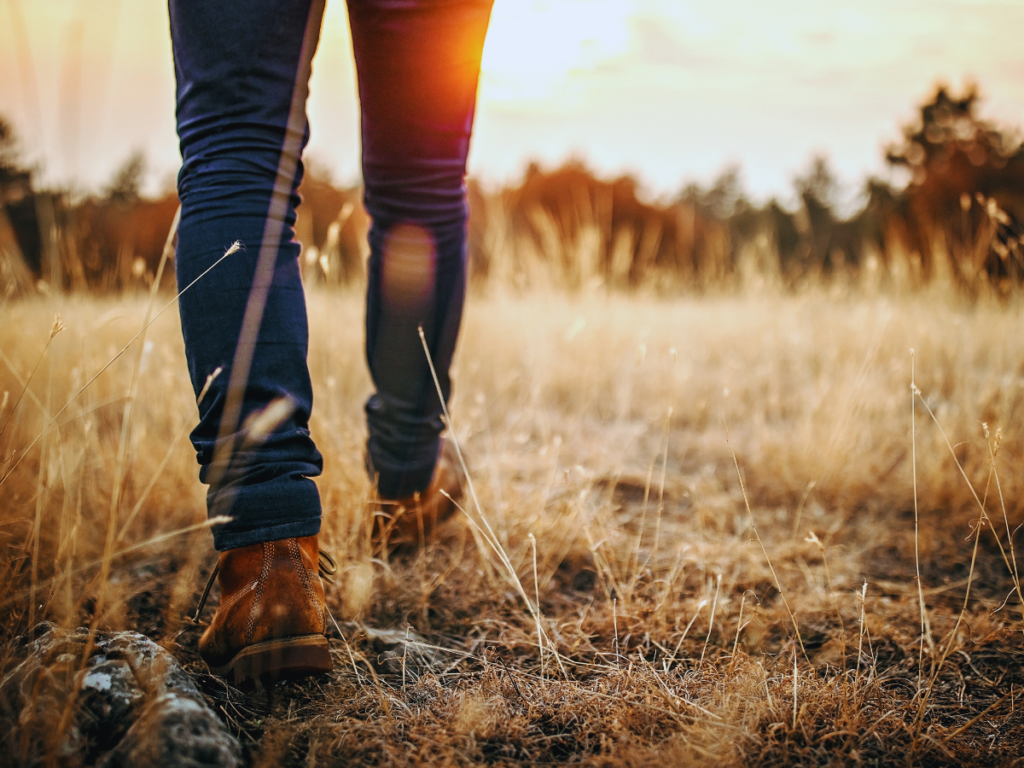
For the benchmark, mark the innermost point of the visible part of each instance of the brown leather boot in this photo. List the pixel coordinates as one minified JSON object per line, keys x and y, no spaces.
{"x":403,"y":524}
{"x":272,"y":619}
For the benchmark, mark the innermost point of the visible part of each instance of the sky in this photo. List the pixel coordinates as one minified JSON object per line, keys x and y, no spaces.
{"x":671,"y":91}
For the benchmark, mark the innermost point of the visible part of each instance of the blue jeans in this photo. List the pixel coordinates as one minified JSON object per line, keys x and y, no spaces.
{"x":242,"y":69}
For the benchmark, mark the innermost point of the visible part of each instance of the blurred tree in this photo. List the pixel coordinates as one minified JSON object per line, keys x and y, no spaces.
{"x":15,"y":178}
{"x":817,"y":189}
{"x":966,"y":190}
{"x":17,"y":204}
{"x":125,"y":187}
{"x":950,"y":149}
{"x":882,"y":220}
{"x":723,"y":199}
{"x":587,"y":228}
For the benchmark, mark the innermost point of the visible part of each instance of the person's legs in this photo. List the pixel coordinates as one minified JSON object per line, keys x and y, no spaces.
{"x":241,"y":87}
{"x":418,"y":63}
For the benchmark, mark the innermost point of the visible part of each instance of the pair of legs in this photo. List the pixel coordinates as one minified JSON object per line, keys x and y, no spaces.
{"x":242,"y":69}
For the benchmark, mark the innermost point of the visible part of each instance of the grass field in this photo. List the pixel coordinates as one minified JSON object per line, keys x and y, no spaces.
{"x":627,"y":606}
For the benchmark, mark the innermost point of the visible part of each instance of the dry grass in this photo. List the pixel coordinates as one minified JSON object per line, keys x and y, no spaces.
{"x":596,"y":430}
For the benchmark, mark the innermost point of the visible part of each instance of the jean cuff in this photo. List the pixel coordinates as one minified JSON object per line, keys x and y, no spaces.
{"x":236,"y":539}
{"x":402,"y":483}
{"x":278,"y":509}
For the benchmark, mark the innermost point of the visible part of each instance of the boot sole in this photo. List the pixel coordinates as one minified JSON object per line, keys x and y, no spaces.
{"x":274,"y":660}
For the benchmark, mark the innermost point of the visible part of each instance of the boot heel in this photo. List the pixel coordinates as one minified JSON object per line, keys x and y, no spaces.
{"x":274,"y":660}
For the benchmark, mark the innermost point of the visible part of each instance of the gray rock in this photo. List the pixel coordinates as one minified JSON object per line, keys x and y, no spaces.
{"x":175,"y":731}
{"x":132,"y":700}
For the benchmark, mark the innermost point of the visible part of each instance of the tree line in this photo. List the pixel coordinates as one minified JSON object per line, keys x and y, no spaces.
{"x":957,"y":218}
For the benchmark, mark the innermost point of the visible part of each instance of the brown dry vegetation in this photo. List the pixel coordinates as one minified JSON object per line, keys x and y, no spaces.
{"x":596,"y":430}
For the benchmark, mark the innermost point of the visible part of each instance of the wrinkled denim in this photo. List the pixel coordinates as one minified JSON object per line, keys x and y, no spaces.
{"x":237,"y":64}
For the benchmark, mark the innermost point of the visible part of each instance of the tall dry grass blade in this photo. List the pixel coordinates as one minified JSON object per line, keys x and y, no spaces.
{"x":536,"y":597}
{"x":981,"y":504}
{"x":67,"y":530}
{"x":41,"y":484}
{"x":661,"y":485}
{"x":609,"y":581}
{"x":492,"y":539}
{"x":152,"y":541}
{"x":711,"y":622}
{"x":739,"y":628}
{"x":235,"y":247}
{"x":946,"y":739}
{"x":666,"y":430}
{"x":351,"y":656}
{"x":767,"y":688}
{"x":764,"y":550}
{"x":813,"y":539}
{"x":58,"y":326}
{"x":21,"y":382}
{"x":634,"y":567}
{"x":860,"y":637}
{"x":172,"y":444}
{"x":917,"y":550}
{"x":615,"y":631}
{"x":796,"y":678}
{"x":37,"y":522}
{"x":993,"y":452}
{"x":700,"y":607}
{"x":125,"y":438}
{"x":170,"y":245}
{"x":405,"y":654}
{"x":166,"y":458}
{"x":799,"y":516}
{"x":950,"y":641}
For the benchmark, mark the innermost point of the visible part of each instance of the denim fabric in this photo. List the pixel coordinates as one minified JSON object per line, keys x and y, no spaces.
{"x":237,"y":64}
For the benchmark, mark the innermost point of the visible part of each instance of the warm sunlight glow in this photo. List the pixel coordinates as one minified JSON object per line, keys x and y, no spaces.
{"x":535,"y":48}
{"x":671,"y":90}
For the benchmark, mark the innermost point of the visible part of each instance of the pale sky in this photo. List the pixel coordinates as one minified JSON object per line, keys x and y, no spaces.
{"x":670,"y":90}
